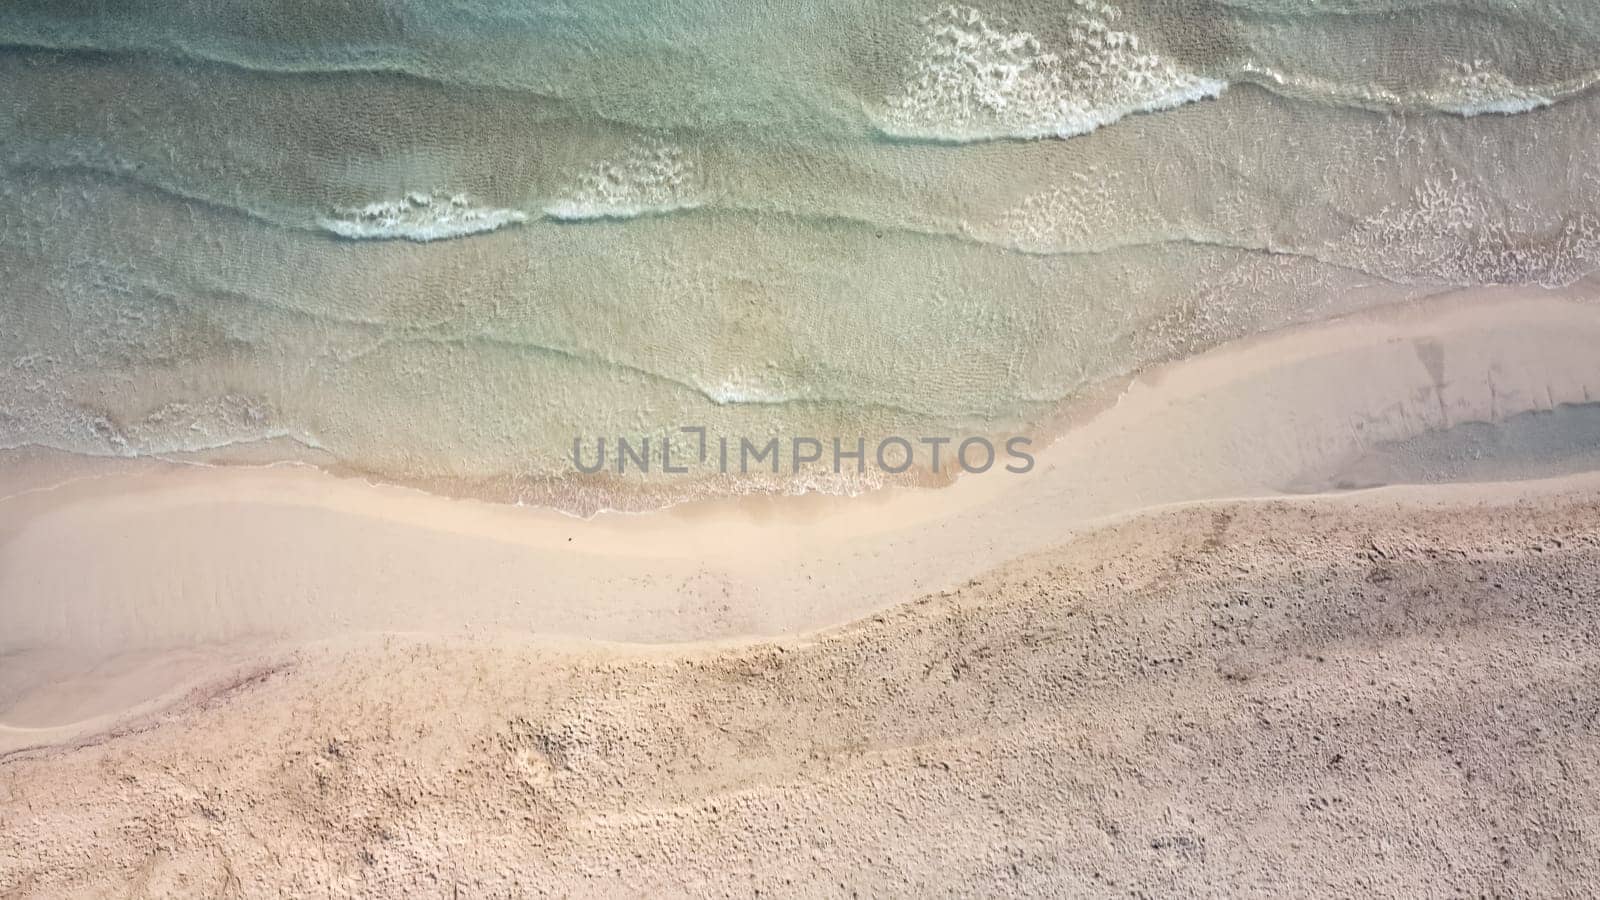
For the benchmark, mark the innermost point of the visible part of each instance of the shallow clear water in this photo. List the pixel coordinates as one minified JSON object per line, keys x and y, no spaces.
{"x":437,"y":241}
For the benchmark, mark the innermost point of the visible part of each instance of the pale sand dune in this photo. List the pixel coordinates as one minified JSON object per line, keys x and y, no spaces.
{"x":1324,"y":697}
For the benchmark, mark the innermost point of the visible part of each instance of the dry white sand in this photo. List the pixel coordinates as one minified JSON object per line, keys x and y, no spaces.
{"x":1327,"y":698}
{"x":263,"y":682}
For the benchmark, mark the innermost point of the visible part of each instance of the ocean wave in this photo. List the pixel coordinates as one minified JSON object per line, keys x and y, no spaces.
{"x":650,"y":177}
{"x":419,"y":217}
{"x":1465,"y":89}
{"x":1442,"y":233}
{"x":51,"y":419}
{"x":1479,"y":88}
{"x":967,"y":77}
{"x":973,"y":80}
{"x":1061,"y":221}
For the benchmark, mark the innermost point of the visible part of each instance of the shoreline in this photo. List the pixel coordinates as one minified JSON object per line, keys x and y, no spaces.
{"x":179,"y":555}
{"x":659,"y":496}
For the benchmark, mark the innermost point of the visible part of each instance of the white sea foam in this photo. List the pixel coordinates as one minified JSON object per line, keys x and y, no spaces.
{"x":1471,"y":89}
{"x":1070,"y":216}
{"x":650,"y":177}
{"x":419,"y":217}
{"x":972,"y":80}
{"x":49,"y":418}
{"x":739,"y":389}
{"x":1480,"y":88}
{"x":1452,"y":230}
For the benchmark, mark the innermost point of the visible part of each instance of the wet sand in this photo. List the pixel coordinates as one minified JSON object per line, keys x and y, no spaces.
{"x":105,"y":557}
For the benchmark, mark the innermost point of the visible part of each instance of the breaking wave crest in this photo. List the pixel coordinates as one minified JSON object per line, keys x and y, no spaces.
{"x":419,"y":217}
{"x":974,"y":80}
{"x":1465,"y":89}
{"x":650,"y":177}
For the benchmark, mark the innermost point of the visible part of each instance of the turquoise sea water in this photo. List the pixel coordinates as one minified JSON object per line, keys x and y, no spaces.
{"x":436,"y":241}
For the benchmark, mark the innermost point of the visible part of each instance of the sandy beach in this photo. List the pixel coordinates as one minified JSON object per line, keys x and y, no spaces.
{"x":1324,"y":696}
{"x":1205,"y":663}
